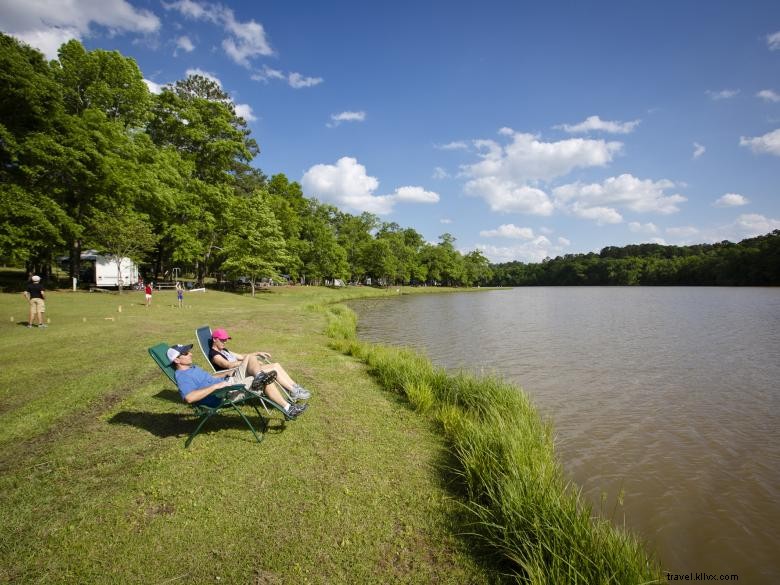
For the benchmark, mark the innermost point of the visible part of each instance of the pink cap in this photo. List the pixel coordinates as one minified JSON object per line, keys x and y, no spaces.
{"x":220,"y":334}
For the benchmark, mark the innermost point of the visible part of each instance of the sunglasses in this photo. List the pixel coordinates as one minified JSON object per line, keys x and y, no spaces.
{"x":184,"y":353}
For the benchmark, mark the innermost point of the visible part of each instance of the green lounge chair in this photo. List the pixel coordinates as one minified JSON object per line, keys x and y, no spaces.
{"x":158,"y":353}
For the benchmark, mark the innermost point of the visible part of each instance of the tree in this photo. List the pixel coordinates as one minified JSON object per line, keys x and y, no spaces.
{"x":121,"y":234}
{"x":254,"y":245}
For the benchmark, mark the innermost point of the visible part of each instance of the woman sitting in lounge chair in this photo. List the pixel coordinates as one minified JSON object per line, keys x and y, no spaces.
{"x":249,"y":364}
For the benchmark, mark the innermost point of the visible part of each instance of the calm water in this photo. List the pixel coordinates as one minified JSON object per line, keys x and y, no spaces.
{"x":671,"y":395}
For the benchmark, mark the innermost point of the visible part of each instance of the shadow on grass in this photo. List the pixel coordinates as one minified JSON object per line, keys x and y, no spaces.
{"x":169,"y":424}
{"x":169,"y":396}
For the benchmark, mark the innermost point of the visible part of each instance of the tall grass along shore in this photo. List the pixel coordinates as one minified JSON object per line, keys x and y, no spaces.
{"x":531,"y":522}
{"x":447,"y":479}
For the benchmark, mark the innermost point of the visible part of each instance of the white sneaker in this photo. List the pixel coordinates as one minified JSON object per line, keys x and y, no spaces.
{"x":299,"y":393}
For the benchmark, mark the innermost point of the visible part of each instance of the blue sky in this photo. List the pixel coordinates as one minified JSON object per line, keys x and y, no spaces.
{"x":525,"y":129}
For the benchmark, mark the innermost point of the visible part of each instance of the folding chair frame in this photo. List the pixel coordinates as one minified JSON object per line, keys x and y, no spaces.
{"x":204,"y":412}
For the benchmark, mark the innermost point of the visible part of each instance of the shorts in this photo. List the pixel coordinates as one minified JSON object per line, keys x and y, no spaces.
{"x":38,"y":305}
{"x":148,"y":297}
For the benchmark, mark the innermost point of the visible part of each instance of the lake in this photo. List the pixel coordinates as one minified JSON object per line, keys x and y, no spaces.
{"x":668,"y":396}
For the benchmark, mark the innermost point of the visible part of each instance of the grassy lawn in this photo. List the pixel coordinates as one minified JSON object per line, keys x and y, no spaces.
{"x":96,"y":486}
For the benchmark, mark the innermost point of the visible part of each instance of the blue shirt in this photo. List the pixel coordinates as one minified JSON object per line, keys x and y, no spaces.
{"x":195,"y":378}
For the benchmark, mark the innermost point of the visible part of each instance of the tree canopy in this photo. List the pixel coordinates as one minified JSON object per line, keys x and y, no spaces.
{"x":89,"y":157}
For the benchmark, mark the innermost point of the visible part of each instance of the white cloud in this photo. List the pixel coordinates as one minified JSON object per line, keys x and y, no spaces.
{"x":440,"y":173}
{"x":565,"y":242}
{"x":600,"y":201}
{"x":509,"y":197}
{"x":457,"y":145}
{"x":768,"y":143}
{"x":753,"y":224}
{"x":415,"y":195}
{"x":600,"y":214}
{"x":509,"y":230}
{"x":185,"y":44}
{"x":747,"y":225}
{"x":347,"y":184}
{"x":245,"y":111}
{"x":527,"y":158}
{"x":723,"y":94}
{"x":46,"y":25}
{"x":768,"y":95}
{"x":643,"y":228}
{"x":595,"y":123}
{"x":445,"y":220}
{"x":504,"y":175}
{"x":267,"y":73}
{"x":731,"y":200}
{"x":337,"y":119}
{"x":297,"y":81}
{"x":534,"y":251}
{"x":698,"y":150}
{"x":773,"y":41}
{"x":155,"y":88}
{"x":245,"y":40}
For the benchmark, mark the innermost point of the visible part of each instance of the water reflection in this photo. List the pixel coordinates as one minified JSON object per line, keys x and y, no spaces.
{"x":669,"y":394}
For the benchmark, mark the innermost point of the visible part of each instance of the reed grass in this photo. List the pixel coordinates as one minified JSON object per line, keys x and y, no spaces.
{"x":519,"y":506}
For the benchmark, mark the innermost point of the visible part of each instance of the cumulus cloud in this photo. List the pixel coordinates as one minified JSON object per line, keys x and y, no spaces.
{"x":768,"y":95}
{"x":535,"y":250}
{"x":753,"y":224}
{"x":297,"y":81}
{"x":773,"y":41}
{"x":506,"y":175}
{"x":509,"y":230}
{"x":767,"y":144}
{"x":184,"y":43}
{"x":347,"y":184}
{"x":600,"y":201}
{"x":595,"y":123}
{"x":47,"y":24}
{"x":155,"y":88}
{"x":731,"y":200}
{"x":698,"y":150}
{"x":723,"y":94}
{"x":527,"y":158}
{"x":245,"y":111}
{"x":509,"y":197}
{"x":337,"y":119}
{"x":415,"y":195}
{"x":244,"y":40}
{"x":643,"y":228}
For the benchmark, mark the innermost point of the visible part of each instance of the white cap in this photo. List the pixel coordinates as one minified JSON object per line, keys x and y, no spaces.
{"x":36,"y":278}
{"x":176,"y":350}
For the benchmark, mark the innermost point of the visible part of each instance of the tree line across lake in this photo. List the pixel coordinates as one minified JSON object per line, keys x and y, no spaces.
{"x":90,"y":159}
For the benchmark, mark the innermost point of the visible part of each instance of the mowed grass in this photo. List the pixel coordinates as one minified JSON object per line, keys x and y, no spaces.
{"x":96,"y":486}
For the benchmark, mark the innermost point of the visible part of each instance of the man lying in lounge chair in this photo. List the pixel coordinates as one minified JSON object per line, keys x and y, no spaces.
{"x":195,"y":384}
{"x":249,"y":365}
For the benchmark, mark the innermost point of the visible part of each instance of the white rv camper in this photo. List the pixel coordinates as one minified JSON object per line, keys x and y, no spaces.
{"x":103,"y":272}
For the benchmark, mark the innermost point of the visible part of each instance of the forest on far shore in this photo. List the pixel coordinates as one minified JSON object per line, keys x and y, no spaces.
{"x":751,"y":262}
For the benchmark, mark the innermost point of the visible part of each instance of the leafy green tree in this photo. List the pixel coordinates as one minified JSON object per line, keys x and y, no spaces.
{"x":120,"y":234}
{"x":476,"y":268}
{"x":254,"y":246}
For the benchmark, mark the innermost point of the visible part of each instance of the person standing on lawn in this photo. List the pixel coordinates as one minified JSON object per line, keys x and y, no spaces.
{"x":148,"y":293}
{"x":36,"y":295}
